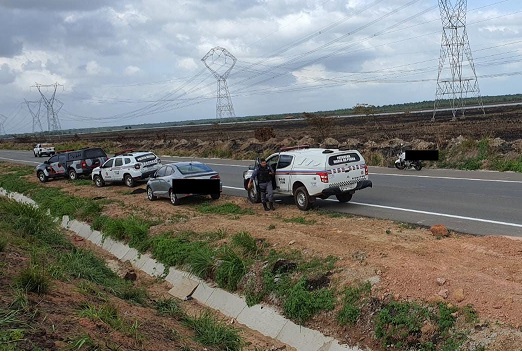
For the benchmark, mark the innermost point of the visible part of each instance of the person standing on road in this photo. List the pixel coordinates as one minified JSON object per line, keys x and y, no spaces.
{"x":264,"y":174}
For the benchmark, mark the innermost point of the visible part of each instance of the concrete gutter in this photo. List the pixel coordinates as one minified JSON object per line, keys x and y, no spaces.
{"x":260,"y":317}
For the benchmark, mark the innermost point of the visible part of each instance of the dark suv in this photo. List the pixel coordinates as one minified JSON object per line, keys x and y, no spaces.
{"x":71,"y":164}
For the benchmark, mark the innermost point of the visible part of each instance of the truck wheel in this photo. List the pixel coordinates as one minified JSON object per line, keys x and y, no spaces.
{"x":254,"y":196}
{"x":72,"y":174}
{"x":418,"y":166}
{"x":34,"y":154}
{"x":344,"y":197}
{"x":302,"y":198}
{"x":129,"y":181}
{"x":215,"y":196}
{"x":173,"y":198}
{"x":98,"y":181}
{"x":41,"y":176}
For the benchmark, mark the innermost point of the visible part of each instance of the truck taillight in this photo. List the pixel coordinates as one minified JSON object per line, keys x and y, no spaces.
{"x":215,"y":177}
{"x":137,"y":166}
{"x":324,"y":176}
{"x":84,"y":164}
{"x":366,"y":170}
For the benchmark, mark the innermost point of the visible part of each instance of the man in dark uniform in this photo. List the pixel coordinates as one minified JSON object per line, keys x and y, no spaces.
{"x":264,"y":174}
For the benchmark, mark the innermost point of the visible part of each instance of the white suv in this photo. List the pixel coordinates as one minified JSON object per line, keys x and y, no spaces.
{"x":310,"y":173}
{"x":127,"y":168}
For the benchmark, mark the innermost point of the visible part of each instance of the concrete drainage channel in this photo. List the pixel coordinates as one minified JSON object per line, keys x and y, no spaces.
{"x":259,"y":317}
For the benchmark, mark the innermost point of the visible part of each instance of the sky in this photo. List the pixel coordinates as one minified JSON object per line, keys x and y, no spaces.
{"x":125,"y":62}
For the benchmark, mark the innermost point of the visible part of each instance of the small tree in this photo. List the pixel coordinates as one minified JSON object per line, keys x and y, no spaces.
{"x":320,"y":126}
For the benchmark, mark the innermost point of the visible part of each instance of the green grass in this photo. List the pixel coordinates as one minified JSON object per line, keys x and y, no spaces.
{"x":10,"y":333}
{"x":352,"y":301}
{"x":169,"y":307}
{"x":212,"y":332}
{"x":223,"y":209}
{"x":300,"y":220}
{"x":82,"y":342}
{"x":400,"y":323}
{"x":246,"y":243}
{"x":3,"y":244}
{"x":133,"y":230}
{"x":300,"y":304}
{"x":109,"y":315}
{"x":231,"y":269}
{"x":201,"y":260}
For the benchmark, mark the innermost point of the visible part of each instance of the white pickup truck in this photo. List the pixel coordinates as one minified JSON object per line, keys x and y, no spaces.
{"x":310,"y":173}
{"x":42,"y":149}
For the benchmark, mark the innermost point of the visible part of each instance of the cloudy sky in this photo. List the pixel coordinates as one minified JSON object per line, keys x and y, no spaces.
{"x":122,"y":62}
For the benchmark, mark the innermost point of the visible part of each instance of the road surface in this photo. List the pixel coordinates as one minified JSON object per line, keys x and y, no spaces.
{"x":475,"y":202}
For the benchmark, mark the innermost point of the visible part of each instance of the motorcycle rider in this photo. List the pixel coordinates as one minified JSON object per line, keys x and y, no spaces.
{"x":264,"y":174}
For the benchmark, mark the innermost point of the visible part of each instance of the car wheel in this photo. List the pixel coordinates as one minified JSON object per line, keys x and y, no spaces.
{"x":34,"y":154}
{"x":344,"y":197}
{"x":129,"y":181}
{"x":253,"y":195}
{"x":72,"y":174}
{"x":215,"y":196}
{"x":418,"y":166}
{"x":173,"y":198}
{"x":98,"y":181}
{"x":302,"y":198}
{"x":150,"y":194}
{"x":41,"y":176}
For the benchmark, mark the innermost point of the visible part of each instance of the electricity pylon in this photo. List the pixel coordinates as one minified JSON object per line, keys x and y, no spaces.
{"x":53,"y":123}
{"x":3,"y":119}
{"x":220,"y":62}
{"x":35,"y":114}
{"x":461,"y":80}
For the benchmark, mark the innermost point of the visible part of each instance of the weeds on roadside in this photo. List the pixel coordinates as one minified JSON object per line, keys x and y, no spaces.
{"x":82,"y":342}
{"x":223,"y":209}
{"x":246,"y":243}
{"x":210,"y":331}
{"x":231,"y":269}
{"x":33,"y":278}
{"x":169,"y":307}
{"x":300,"y":220}
{"x":3,"y":244}
{"x":301,"y":304}
{"x":352,"y":300}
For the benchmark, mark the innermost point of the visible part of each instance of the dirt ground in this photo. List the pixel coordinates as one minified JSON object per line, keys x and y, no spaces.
{"x":402,"y":261}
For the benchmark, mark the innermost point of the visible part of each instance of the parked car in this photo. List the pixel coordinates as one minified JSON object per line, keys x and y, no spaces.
{"x":71,"y":164}
{"x":127,"y":167}
{"x":42,"y":149}
{"x":182,"y":179}
{"x":310,"y":173}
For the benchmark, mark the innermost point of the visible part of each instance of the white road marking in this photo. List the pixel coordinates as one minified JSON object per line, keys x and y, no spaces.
{"x":421,"y":212}
{"x":447,"y":178}
{"x":17,"y":160}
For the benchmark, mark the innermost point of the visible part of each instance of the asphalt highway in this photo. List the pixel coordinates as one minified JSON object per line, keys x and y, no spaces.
{"x":475,"y":202}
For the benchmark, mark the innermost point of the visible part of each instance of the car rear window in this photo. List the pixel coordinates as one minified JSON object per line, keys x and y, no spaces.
{"x":145,"y":157}
{"x":193,"y":168}
{"x":94,"y":153}
{"x":344,"y":158}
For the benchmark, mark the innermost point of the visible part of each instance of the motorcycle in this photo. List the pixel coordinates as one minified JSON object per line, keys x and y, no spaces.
{"x":401,"y":163}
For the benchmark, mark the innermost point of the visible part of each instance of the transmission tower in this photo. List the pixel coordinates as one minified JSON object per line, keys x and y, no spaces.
{"x":35,"y":113}
{"x":3,"y":119}
{"x":53,"y":124}
{"x":456,"y":83}
{"x":220,"y":62}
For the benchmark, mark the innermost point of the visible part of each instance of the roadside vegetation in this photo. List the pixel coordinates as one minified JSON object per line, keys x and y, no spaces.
{"x":237,"y":262}
{"x":48,"y":285}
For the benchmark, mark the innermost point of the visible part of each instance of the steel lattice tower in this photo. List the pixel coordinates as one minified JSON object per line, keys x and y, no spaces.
{"x":458,"y":82}
{"x":53,"y":123}
{"x":220,"y":62}
{"x":35,"y":113}
{"x":3,"y":119}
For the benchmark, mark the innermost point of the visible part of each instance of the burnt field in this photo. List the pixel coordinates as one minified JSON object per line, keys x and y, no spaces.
{"x":498,"y":122}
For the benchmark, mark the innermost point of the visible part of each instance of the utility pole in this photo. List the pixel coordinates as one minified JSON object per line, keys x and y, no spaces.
{"x":220,"y":62}
{"x":459,"y":81}
{"x":53,"y":123}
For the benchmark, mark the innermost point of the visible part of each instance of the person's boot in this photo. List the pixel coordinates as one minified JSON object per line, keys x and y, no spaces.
{"x":264,"y":206}
{"x":271,"y":205}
